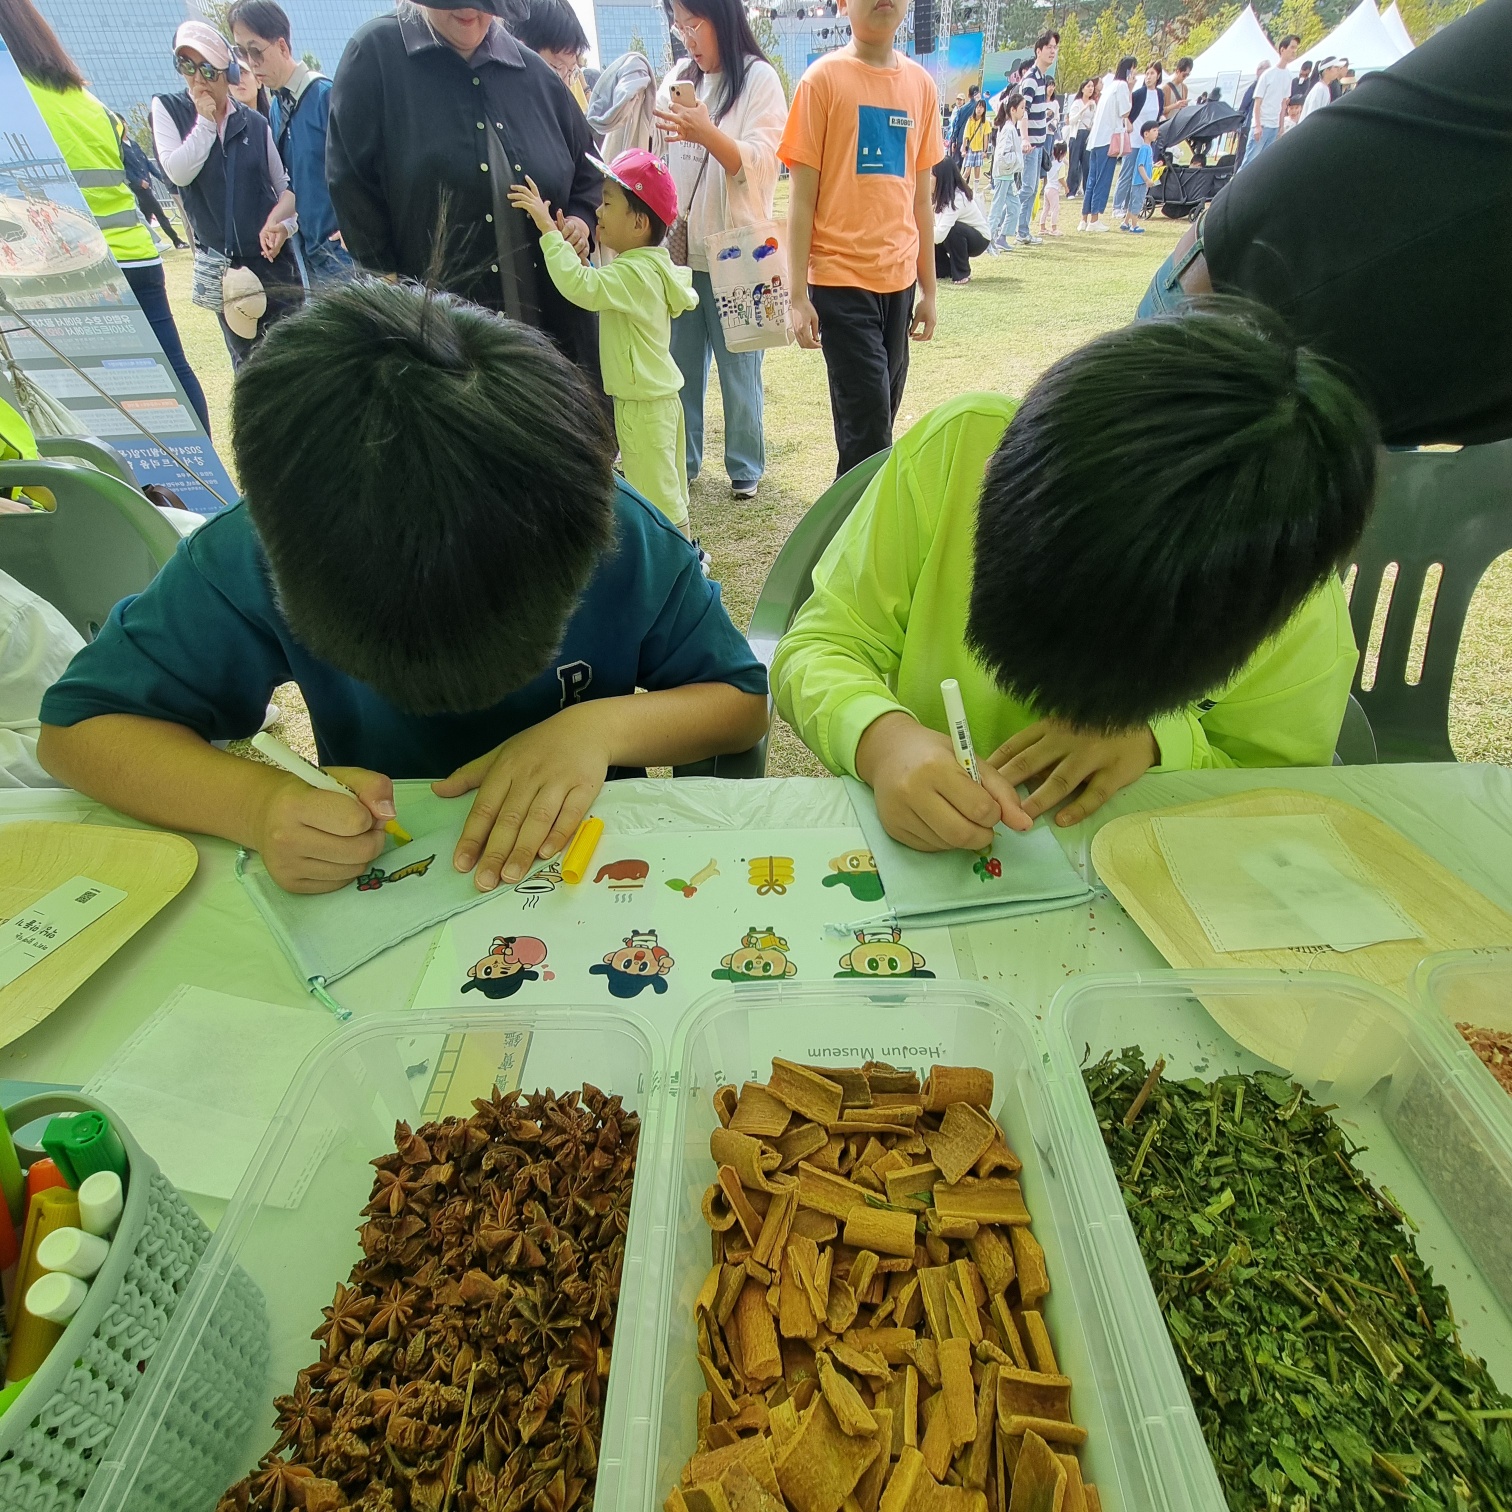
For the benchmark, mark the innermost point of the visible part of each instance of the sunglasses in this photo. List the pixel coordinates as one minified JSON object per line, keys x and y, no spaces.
{"x":208,"y":72}
{"x":251,"y":53}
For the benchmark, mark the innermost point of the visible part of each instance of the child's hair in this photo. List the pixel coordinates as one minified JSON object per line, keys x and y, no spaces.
{"x":1148,"y":127}
{"x":1012,"y":103}
{"x":638,"y":206}
{"x":1123,"y":580}
{"x":433,"y":486}
{"x":1058,"y":151}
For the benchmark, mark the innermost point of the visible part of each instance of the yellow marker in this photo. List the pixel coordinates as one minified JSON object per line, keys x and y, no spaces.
{"x":579,"y":855}
{"x":32,"y":1337}
{"x":280,"y":755}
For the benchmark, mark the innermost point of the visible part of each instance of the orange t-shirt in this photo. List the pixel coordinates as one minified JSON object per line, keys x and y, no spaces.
{"x":870,"y":132}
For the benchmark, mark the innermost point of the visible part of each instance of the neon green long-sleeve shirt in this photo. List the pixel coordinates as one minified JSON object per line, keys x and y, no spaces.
{"x":636,"y":297}
{"x":887,"y":622}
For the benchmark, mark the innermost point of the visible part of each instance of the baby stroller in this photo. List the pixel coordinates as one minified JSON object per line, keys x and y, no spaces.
{"x":1181,"y":191}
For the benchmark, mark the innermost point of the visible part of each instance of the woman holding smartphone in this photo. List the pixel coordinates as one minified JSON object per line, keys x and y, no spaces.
{"x":721,"y":110}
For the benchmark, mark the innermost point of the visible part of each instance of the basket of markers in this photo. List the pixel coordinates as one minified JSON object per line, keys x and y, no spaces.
{"x":96,"y":1247}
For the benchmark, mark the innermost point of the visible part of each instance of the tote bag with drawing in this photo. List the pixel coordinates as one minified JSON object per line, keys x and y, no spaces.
{"x":748,"y":269}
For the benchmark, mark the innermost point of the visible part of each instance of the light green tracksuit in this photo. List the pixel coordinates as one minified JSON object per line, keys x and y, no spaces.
{"x":887,"y":622}
{"x":636,"y":297}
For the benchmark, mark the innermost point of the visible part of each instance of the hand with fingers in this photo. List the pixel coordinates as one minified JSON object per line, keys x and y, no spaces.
{"x":313,"y":841}
{"x":527,"y":197}
{"x":924,"y":798}
{"x":1085,"y":766}
{"x":533,"y":792}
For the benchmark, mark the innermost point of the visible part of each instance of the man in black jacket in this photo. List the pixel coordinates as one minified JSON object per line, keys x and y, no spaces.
{"x":435,"y":112}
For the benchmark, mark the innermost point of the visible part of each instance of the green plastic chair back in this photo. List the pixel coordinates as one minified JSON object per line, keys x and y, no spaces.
{"x":101,"y":544}
{"x":787,"y":585}
{"x":1447,"y":509}
{"x":100,"y":455}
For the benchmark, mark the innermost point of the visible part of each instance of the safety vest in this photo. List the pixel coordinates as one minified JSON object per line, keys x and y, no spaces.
{"x":82,"y":128}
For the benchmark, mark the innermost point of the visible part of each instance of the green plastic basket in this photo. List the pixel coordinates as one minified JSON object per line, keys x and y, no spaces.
{"x":58,"y":1430}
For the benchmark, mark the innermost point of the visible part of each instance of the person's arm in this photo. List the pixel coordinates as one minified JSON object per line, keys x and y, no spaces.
{"x":578,"y":216}
{"x":617,"y":286}
{"x":357,"y":161}
{"x":803,"y":195}
{"x":922,"y":326}
{"x":181,"y":157}
{"x":834,"y":672}
{"x":281,"y":224}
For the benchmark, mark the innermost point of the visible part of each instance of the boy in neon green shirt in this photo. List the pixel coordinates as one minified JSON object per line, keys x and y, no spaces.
{"x":636,"y":297}
{"x":1111,"y":596}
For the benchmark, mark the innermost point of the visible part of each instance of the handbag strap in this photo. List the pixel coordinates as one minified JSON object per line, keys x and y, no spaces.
{"x":229,"y":226}
{"x":703,"y":168}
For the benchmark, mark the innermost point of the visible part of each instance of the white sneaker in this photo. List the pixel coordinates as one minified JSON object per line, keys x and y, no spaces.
{"x":1098,"y":226}
{"x":1083,"y":225}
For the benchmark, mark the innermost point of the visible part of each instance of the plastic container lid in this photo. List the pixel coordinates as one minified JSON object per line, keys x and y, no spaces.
{"x":1401,"y":1089}
{"x":1472,"y":987}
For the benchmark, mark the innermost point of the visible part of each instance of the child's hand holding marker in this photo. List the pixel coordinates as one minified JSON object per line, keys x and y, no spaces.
{"x":927,"y":797}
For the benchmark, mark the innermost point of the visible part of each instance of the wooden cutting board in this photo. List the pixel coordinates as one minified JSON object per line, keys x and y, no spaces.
{"x":1450,"y":913}
{"x":151,"y":867}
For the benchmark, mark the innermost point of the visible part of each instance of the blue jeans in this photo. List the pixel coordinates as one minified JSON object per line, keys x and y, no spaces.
{"x":1099,"y":180}
{"x":1005,"y":204}
{"x":1165,"y":296}
{"x":328,"y":265}
{"x":696,"y":337}
{"x":151,"y":289}
{"x":1034,"y":162}
{"x":1126,"y":175}
{"x":1268,"y":134}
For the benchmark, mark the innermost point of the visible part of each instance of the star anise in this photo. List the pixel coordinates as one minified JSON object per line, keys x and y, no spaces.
{"x":541,"y":1321}
{"x":393,"y":1314}
{"x":579,"y":1426}
{"x":345,"y":1318}
{"x":392,"y":1192}
{"x":279,"y":1484}
{"x":301,"y":1417}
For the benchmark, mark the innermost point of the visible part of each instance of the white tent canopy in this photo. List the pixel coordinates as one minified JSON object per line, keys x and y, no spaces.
{"x":1396,"y":28}
{"x":1239,"y":51}
{"x":1361,"y":37}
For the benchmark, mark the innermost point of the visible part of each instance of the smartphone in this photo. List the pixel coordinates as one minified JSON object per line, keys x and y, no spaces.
{"x":684,"y":93}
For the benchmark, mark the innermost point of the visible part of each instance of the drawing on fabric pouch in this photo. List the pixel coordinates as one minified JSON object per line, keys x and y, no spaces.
{"x":641,"y":962}
{"x":508,"y":966}
{"x":540,"y":883}
{"x":881,"y":953}
{"x":856,"y":870}
{"x":697,"y":880}
{"x":770,"y":874}
{"x":624,"y":876}
{"x":762,"y":957}
{"x":375,"y":876}
{"x":987,"y":867}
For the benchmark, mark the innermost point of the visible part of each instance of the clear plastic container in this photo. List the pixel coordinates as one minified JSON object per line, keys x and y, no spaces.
{"x":292,"y":1226}
{"x":1472,"y":987}
{"x":731,"y":1036}
{"x":1402,"y":1093}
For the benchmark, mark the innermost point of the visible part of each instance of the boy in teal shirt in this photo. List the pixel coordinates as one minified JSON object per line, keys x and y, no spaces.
{"x":1108,"y":601}
{"x":636,"y":297}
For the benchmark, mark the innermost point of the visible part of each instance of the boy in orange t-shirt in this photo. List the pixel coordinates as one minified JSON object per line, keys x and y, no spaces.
{"x":861,"y":138}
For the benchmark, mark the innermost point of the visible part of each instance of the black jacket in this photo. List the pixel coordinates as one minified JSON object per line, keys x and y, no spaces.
{"x":408,"y":142}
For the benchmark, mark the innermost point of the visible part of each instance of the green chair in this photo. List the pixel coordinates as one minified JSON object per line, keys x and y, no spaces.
{"x":787,"y":586}
{"x":100,"y":455}
{"x":101,"y":544}
{"x":1447,"y":509}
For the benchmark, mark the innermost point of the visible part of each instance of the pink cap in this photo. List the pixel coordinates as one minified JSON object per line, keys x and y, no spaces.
{"x":645,"y":176}
{"x":206,"y":41}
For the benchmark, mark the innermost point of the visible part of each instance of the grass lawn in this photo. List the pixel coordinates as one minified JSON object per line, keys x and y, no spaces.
{"x":1019,"y":313}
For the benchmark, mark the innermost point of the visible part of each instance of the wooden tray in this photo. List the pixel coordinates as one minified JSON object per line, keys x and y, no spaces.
{"x":1451,"y":914}
{"x":150,"y":866}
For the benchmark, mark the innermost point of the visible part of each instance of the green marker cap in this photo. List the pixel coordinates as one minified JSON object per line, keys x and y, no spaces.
{"x":82,"y":1144}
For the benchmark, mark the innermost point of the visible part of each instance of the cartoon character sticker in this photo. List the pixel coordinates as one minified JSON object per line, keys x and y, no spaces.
{"x":987,"y":867}
{"x":508,"y":966}
{"x":857,"y":870}
{"x":375,"y":876}
{"x":640,"y":963}
{"x":770,"y":874}
{"x":762,"y":957}
{"x":689,"y":888}
{"x":881,"y":953}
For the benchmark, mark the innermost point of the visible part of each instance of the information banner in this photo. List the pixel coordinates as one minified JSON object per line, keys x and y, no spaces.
{"x":58,"y":276}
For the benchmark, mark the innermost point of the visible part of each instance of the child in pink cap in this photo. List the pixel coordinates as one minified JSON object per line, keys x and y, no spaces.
{"x":636,"y":297}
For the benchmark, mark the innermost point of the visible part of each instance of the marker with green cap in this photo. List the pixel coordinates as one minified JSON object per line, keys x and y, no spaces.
{"x":82,"y":1144}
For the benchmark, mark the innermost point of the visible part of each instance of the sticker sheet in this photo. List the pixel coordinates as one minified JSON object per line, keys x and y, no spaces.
{"x":660,"y":920}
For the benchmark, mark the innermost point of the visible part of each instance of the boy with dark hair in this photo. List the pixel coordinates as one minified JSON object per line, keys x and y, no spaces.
{"x":861,"y":138}
{"x":1126,"y":611}
{"x":1144,"y":176}
{"x":636,"y":297}
{"x":299,"y":111}
{"x":433,"y":546}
